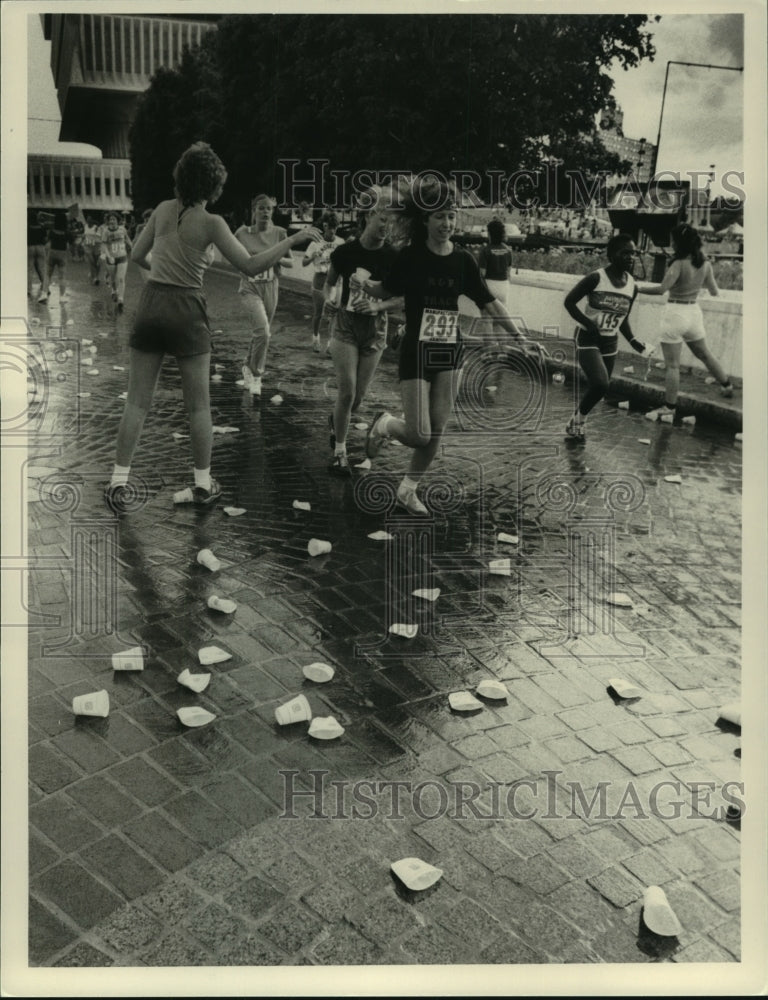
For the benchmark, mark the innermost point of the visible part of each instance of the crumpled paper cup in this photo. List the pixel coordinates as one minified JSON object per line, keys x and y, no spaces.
{"x":493,"y":690}
{"x":302,"y":505}
{"x":318,"y":547}
{"x":223,"y":604}
{"x":500,"y":567}
{"x":624,"y":689}
{"x":620,"y":600}
{"x":212,"y":654}
{"x":658,"y":915}
{"x":321,"y":673}
{"x":416,"y":874}
{"x":428,"y":594}
{"x":234,"y":511}
{"x":463,"y":701}
{"x":325,"y":728}
{"x":195,"y":716}
{"x":381,"y":536}
{"x":504,"y":536}
{"x":195,"y":682}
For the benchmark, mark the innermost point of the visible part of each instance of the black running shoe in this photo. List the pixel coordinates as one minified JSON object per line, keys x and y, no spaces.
{"x":332,"y":438}
{"x":203,"y":497}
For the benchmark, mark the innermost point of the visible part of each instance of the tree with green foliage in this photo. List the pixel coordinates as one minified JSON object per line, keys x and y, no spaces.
{"x":444,"y":92}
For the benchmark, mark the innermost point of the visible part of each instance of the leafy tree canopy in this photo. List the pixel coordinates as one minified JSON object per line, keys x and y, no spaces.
{"x":446,"y":92}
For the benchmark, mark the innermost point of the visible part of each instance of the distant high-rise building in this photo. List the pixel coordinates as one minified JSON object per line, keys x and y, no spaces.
{"x":101,"y":64}
{"x":638,"y":152}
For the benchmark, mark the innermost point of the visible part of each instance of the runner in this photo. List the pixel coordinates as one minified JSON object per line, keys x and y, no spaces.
{"x":117,"y":245}
{"x":495,"y":260}
{"x":682,"y":321}
{"x":171,"y":316}
{"x":319,"y":254}
{"x":57,"y":255}
{"x":610,"y":293}
{"x":37,"y":239}
{"x":259,"y":294}
{"x":431,"y":274}
{"x":359,"y":323}
{"x":92,"y":247}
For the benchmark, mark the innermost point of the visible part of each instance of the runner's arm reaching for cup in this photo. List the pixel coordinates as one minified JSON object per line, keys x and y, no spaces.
{"x":232,"y":250}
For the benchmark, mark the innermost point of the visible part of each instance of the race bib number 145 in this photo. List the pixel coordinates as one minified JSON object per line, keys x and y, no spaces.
{"x":440,"y":325}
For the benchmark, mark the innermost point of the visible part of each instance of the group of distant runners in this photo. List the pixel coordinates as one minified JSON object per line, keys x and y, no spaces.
{"x":403,"y":259}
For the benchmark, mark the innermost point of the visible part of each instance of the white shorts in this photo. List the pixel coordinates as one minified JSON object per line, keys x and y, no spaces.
{"x":680,"y":322}
{"x":498,"y":289}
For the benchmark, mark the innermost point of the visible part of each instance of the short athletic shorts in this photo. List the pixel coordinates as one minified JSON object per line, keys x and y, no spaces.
{"x":498,"y":289}
{"x":367,"y":333}
{"x":318,"y":280}
{"x":681,"y":321}
{"x":608,"y":346}
{"x":171,"y":319}
{"x":425,"y":360}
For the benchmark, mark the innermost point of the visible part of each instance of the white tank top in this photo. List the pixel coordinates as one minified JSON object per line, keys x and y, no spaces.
{"x":607,"y":305}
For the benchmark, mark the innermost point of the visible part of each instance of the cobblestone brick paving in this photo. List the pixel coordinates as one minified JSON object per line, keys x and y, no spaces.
{"x":152,"y":844}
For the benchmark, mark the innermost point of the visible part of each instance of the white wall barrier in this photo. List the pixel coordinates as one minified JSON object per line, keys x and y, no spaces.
{"x":536,"y":297}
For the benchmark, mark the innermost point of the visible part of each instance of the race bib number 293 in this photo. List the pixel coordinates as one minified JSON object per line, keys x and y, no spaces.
{"x":440,"y":325}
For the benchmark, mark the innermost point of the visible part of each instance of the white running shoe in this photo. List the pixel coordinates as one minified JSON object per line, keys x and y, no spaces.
{"x":576,"y":429}
{"x":251,"y":382}
{"x":408,"y":499}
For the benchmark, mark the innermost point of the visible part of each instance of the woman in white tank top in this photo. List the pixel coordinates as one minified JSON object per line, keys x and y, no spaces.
{"x":682,"y":321}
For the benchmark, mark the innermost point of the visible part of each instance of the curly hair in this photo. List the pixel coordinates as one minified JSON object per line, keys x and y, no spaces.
{"x":615,"y":242}
{"x":496,"y":231}
{"x":329,"y":219}
{"x":687,"y":243}
{"x":199,"y":174}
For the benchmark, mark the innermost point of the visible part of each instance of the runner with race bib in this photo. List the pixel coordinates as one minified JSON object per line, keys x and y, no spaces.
{"x":609,"y":292}
{"x":431,"y":273}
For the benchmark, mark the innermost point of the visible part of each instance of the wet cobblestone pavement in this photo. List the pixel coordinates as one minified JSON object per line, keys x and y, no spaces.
{"x":152,"y":844}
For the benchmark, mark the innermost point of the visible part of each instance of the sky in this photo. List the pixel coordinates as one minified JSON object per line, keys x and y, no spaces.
{"x":703,"y":111}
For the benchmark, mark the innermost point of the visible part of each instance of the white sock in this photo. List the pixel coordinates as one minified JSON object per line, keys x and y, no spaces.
{"x":408,"y":485}
{"x":120,"y":475}
{"x":341,"y":448}
{"x":203,"y":478}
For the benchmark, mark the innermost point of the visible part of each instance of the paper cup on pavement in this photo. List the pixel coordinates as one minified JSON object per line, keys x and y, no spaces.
{"x":206,"y":558}
{"x":195,"y":682}
{"x":731,"y":713}
{"x":318,"y":672}
{"x":624,"y":689}
{"x":183,"y":496}
{"x":407,"y":631}
{"x":222,"y":604}
{"x":381,"y":536}
{"x":297,"y":709}
{"x":463,"y":701}
{"x":620,"y":600}
{"x":427,"y":595}
{"x":212,"y":654}
{"x":416,"y":874}
{"x":317,"y":547}
{"x":500,"y":567}
{"x":493,"y":690}
{"x":234,"y":511}
{"x":194,"y":717}
{"x":504,"y":536}
{"x":658,"y":915}
{"x":302,"y":505}
{"x":130,"y":659}
{"x":325,"y":728}
{"x":96,"y":703}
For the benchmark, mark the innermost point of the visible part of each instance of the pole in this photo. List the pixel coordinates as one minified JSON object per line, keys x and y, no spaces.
{"x":675,"y":62}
